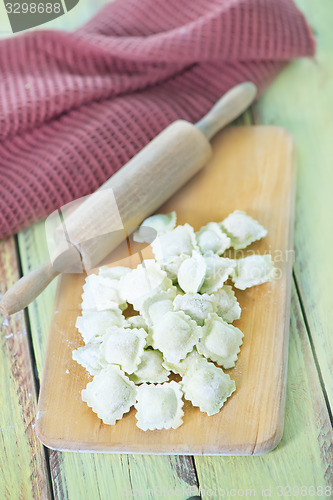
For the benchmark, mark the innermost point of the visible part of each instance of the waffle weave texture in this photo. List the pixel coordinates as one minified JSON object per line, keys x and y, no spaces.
{"x":75,"y":107}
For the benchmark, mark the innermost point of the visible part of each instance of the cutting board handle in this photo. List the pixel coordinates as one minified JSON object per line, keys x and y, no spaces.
{"x":229,"y":107}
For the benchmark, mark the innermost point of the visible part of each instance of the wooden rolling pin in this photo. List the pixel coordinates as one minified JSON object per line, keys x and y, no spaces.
{"x":96,"y":227}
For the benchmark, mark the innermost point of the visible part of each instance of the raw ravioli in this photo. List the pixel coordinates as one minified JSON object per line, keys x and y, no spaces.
{"x":101,"y":293}
{"x":160,"y":223}
{"x":93,"y":324}
{"x":242,"y":229}
{"x":150,"y":368}
{"x":159,"y":406}
{"x":139,"y":284}
{"x":124,"y":347}
{"x":185,"y":315}
{"x":110,"y":394}
{"x":158,"y":304}
{"x":253,"y":270}
{"x":191,"y":273}
{"x":172,"y":265}
{"x":136,"y":322}
{"x":220,"y":341}
{"x":211,"y":238}
{"x":175,"y":335}
{"x":195,"y":305}
{"x":217,"y":272}
{"x":90,"y":357}
{"x":180,"y":240}
{"x":183,"y":365}
{"x":207,"y":386}
{"x":226,"y":304}
{"x":114,"y":273}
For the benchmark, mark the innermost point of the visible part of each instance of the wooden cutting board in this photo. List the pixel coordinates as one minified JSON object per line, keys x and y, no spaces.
{"x":252,"y":169}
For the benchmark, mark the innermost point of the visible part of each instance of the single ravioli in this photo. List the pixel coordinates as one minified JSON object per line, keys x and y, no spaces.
{"x":242,"y":229}
{"x":93,"y":324}
{"x":150,"y":369}
{"x":180,"y":240}
{"x":195,"y":305}
{"x":211,"y":238}
{"x":183,"y":365}
{"x":207,"y":386}
{"x":192,"y":272}
{"x":90,"y":357}
{"x":159,"y":406}
{"x":136,"y":321}
{"x":144,"y":281}
{"x":226,"y":304}
{"x":172,"y":265}
{"x":124,"y":347}
{"x":220,"y":341}
{"x":253,"y":270}
{"x":101,"y":293}
{"x":110,"y":394}
{"x":113,"y":273}
{"x":157,"y":305}
{"x":175,"y":335}
{"x":217,"y":272}
{"x":160,"y":223}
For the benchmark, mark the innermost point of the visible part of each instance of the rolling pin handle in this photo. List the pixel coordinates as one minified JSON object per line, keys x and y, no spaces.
{"x":229,"y":107}
{"x":26,"y":289}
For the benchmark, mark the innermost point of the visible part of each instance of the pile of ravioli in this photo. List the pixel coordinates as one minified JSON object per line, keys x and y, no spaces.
{"x":182,"y":325}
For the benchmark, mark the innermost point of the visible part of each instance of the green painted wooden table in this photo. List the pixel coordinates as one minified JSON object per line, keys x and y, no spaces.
{"x":301,"y":100}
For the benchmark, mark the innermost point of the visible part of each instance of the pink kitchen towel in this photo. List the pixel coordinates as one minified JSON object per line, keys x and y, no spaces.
{"x":75,"y":107}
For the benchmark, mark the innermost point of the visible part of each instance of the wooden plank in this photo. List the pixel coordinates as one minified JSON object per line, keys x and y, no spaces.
{"x":33,"y":249}
{"x":103,"y":477}
{"x":301,"y":100}
{"x":23,"y":466}
{"x":305,"y":456}
{"x":264,"y":187}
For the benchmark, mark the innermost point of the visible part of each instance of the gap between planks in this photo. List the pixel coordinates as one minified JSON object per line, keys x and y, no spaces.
{"x":26,"y":320}
{"x":313,"y":349}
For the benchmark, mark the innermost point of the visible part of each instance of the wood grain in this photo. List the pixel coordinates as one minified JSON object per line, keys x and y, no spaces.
{"x":33,"y":251}
{"x":304,"y":457}
{"x":23,"y":465}
{"x":264,"y":187}
{"x":304,"y":108}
